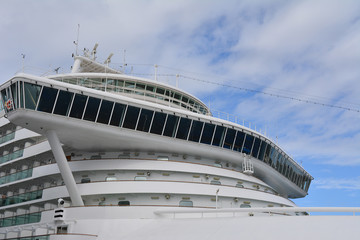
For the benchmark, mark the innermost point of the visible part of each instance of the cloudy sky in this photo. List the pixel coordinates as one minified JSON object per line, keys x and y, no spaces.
{"x":255,"y":56}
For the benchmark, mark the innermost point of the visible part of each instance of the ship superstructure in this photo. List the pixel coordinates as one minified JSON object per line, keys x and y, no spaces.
{"x":97,"y":146}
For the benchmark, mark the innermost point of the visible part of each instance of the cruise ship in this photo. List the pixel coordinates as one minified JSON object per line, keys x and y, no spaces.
{"x":99,"y":154}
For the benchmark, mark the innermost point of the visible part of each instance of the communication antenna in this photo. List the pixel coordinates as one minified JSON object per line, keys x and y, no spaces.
{"x":177,"y":80}
{"x":77,"y":40}
{"x":124,"y":61}
{"x":155,"y":66}
{"x":210,"y":104}
{"x":23,"y":61}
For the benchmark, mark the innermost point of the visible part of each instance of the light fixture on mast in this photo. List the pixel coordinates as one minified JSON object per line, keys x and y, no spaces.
{"x":93,"y":52}
{"x":108,"y":60}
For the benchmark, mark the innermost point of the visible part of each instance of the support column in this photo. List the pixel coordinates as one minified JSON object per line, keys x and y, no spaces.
{"x":64,"y":168}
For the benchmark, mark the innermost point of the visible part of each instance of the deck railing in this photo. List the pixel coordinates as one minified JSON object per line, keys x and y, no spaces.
{"x":230,"y":212}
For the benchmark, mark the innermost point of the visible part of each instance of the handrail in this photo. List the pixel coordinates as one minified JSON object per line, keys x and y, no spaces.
{"x":90,"y":82}
{"x":261,"y":210}
{"x":54,"y":234}
{"x":176,"y":181}
{"x":22,"y":149}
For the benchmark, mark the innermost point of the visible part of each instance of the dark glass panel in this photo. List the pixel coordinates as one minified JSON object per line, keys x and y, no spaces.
{"x":32,"y":92}
{"x":118,"y":114}
{"x":47,"y":99}
{"x":150,"y":88}
{"x":239,"y":141}
{"x":278,"y":156}
{"x":14,"y":95}
{"x":185,"y":99}
{"x":273,"y":157}
{"x":262,"y":150}
{"x":105,"y":111}
{"x":129,"y":84}
{"x":132,"y":114}
{"x":177,"y":96}
{"x":145,"y":120}
{"x":248,"y":144}
{"x":63,"y":103}
{"x":160,"y":90}
{"x":92,"y":108}
{"x":124,"y":203}
{"x":195,"y":131}
{"x":21,"y":94}
{"x":77,"y":108}
{"x":267,"y":154}
{"x":256,"y":146}
{"x":218,"y":136}
{"x":308,"y":185}
{"x":229,"y":139}
{"x":207,"y":133}
{"x":158,"y":123}
{"x":140,"y":86}
{"x":171,"y":124}
{"x":283,"y":161}
{"x":3,"y":97}
{"x":280,"y":161}
{"x":183,"y":129}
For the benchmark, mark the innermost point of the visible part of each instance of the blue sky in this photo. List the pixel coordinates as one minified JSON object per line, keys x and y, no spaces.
{"x":302,"y":49}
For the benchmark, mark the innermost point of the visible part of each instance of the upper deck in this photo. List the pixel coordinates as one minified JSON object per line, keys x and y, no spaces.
{"x":80,"y":115}
{"x":90,"y":74}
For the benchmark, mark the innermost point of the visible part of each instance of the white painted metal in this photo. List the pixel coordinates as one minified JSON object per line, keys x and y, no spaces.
{"x":65,"y":170}
{"x":352,"y":210}
{"x":99,"y":151}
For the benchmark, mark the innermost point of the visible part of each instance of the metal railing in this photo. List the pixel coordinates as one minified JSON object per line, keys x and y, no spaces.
{"x":270,"y":210}
{"x":139,"y":93}
{"x":16,"y":176}
{"x":7,"y":137}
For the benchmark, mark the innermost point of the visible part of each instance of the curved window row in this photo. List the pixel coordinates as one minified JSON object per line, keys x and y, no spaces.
{"x":140,"y":89}
{"x":74,"y":105}
{"x":42,"y":237}
{"x":11,"y":156}
{"x":20,"y":219}
{"x":16,"y":176}
{"x":7,"y":137}
{"x":19,"y":198}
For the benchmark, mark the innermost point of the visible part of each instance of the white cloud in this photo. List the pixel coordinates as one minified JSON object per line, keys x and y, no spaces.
{"x":333,"y":183}
{"x":304,"y":49}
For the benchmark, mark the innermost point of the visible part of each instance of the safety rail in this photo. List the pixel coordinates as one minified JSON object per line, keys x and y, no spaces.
{"x":7,"y":137}
{"x":269,"y":210}
{"x":165,"y":97}
{"x":47,"y":236}
{"x":240,"y":121}
{"x":19,"y":153}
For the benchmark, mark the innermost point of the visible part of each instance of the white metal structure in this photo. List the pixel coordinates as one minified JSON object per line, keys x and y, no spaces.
{"x":97,"y":154}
